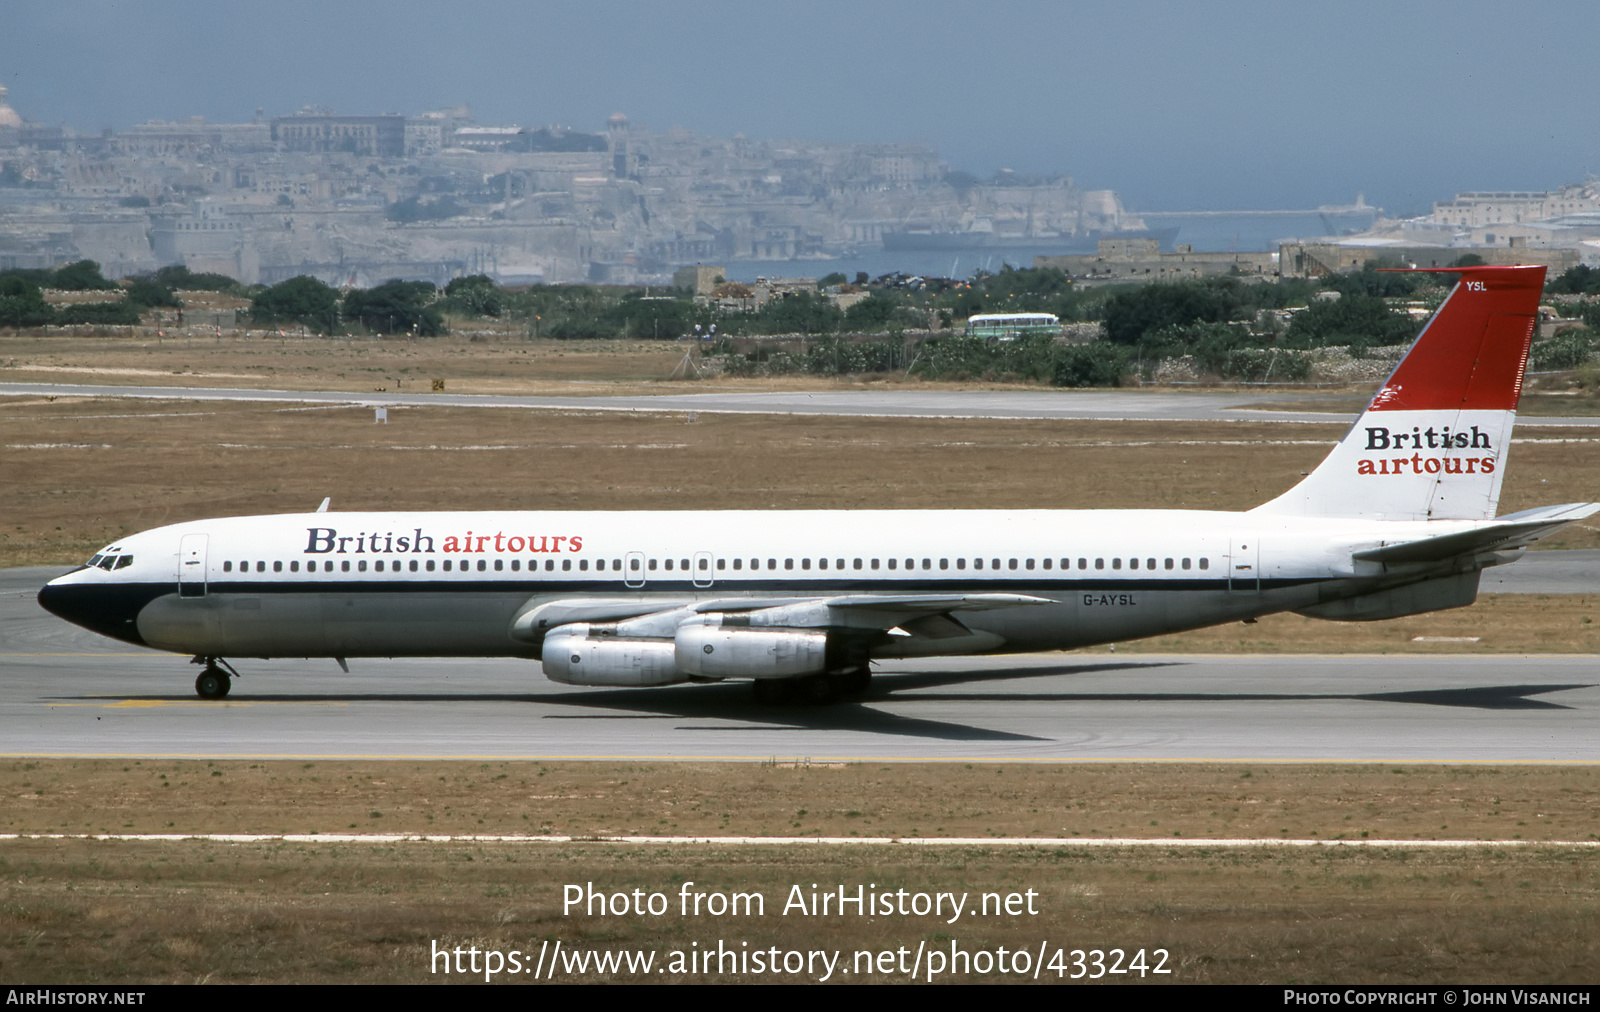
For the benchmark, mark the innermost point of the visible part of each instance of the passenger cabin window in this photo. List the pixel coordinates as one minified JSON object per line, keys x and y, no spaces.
{"x":806,"y":563}
{"x":1205,"y":563}
{"x":344,"y":566}
{"x":227,"y":567}
{"x":446,"y":565}
{"x":261,"y":567}
{"x":430,"y":565}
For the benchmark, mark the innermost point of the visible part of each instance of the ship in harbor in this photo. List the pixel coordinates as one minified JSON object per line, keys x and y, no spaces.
{"x":927,"y":238}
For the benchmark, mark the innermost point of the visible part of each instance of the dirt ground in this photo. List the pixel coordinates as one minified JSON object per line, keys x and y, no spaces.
{"x":781,"y":798}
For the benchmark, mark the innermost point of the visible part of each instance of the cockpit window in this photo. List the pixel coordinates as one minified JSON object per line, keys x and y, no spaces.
{"x":124,"y":562}
{"x":96,"y":560}
{"x":107,"y":561}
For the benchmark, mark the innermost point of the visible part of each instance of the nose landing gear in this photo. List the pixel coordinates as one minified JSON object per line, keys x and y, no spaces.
{"x":213,"y":681}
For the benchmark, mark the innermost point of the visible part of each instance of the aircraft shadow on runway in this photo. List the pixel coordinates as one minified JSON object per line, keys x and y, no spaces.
{"x":731,"y":706}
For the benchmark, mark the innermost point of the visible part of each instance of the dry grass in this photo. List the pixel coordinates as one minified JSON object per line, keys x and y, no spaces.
{"x":81,"y":473}
{"x":722,"y":799}
{"x":101,"y":912}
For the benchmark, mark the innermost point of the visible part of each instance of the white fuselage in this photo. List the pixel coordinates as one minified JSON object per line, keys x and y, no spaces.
{"x":465,"y":584}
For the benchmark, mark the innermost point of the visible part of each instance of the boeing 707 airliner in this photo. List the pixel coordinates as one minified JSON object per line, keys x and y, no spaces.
{"x":1398,"y":519}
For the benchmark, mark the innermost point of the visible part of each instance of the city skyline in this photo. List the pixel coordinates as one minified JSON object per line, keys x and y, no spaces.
{"x":1225,"y":106}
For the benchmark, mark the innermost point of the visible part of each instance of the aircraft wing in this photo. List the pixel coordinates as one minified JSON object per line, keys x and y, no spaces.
{"x":1510,"y":532}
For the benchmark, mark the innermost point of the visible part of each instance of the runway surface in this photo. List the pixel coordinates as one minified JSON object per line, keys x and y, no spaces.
{"x":67,"y":692}
{"x":1128,"y":405}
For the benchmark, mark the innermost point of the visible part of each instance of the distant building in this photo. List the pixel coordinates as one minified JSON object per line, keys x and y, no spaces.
{"x":699,"y":280}
{"x":1141,"y":259}
{"x":1315,"y":260}
{"x":1499,"y":207}
{"x":384,"y":136}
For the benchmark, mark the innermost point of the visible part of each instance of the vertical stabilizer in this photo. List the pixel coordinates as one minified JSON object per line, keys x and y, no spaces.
{"x":1432,"y":444}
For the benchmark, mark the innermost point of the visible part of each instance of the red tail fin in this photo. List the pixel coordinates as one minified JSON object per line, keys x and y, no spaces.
{"x":1432,"y":443}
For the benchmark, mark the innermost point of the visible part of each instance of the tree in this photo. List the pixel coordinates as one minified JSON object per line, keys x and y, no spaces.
{"x":176,"y":277}
{"x":83,"y":276}
{"x":1359,"y":321}
{"x":396,"y":307}
{"x":21,"y":303}
{"x":146,"y":293}
{"x":1130,"y":314}
{"x":1579,"y":280}
{"x":303,"y":300}
{"x":1373,"y":280}
{"x":667,"y":319}
{"x":473,"y":295}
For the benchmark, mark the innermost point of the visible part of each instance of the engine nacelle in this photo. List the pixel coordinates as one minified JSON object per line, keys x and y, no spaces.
{"x":572,"y":656}
{"x":720,"y":652}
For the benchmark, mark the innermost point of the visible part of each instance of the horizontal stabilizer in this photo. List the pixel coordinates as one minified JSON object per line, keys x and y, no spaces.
{"x":1513,"y":531}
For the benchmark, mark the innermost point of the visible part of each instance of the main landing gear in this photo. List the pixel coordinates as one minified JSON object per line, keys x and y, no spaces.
{"x":213,"y":681}
{"x":817,"y":690}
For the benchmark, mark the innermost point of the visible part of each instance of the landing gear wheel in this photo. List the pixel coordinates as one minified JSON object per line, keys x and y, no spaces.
{"x":851,"y":684}
{"x":212,"y":683}
{"x":818,"y":690}
{"x":771,"y":691}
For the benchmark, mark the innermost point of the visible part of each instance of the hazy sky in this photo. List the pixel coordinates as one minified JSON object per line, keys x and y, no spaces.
{"x":1176,"y":105}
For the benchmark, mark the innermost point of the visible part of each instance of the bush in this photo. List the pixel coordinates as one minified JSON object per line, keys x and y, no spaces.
{"x":121,"y":313}
{"x":21,"y":303}
{"x":302,"y":299}
{"x":1089,"y":365}
{"x":1567,"y":350}
{"x":83,"y":276}
{"x":1360,"y":321}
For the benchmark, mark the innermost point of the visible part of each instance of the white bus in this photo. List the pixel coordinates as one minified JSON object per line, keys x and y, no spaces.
{"x":1010,"y":326}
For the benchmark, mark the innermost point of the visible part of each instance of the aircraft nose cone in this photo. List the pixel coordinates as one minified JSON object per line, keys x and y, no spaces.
{"x":108,"y":610}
